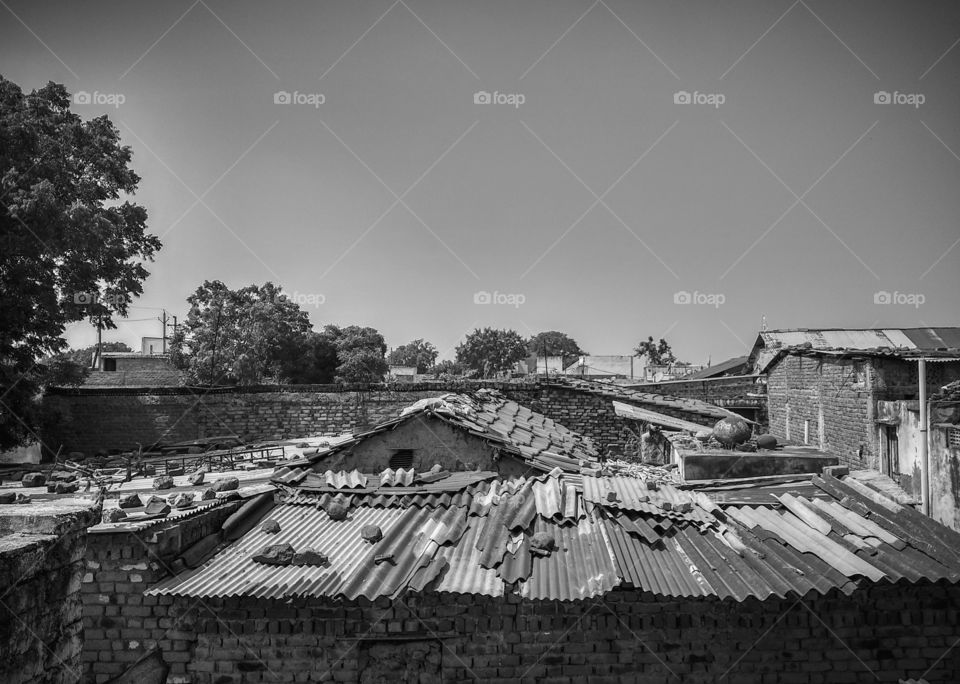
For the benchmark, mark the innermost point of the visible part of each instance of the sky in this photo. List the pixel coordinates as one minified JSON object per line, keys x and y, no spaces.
{"x":688,"y":170}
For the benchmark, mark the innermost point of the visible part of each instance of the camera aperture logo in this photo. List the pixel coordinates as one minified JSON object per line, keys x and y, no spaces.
{"x":683,"y":97}
{"x":714,"y":299}
{"x":914,"y":299}
{"x":282,"y":97}
{"x":483,"y":297}
{"x":97,"y":98}
{"x":882,"y":97}
{"x":483,"y":97}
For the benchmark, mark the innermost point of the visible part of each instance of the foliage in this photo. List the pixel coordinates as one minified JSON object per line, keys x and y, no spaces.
{"x":360,"y":353}
{"x":490,"y":351}
{"x":554,"y":343}
{"x":240,"y":337}
{"x":71,"y":249}
{"x":418,"y":353}
{"x":84,"y":356}
{"x":657,"y":353}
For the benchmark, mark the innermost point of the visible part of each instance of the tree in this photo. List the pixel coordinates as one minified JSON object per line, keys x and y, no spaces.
{"x":553,"y":343}
{"x":311,"y":360}
{"x":657,"y":353}
{"x":418,"y":353}
{"x":70,"y":250}
{"x":360,"y":353}
{"x":448,"y":368}
{"x":490,"y":351}
{"x":84,"y":356}
{"x":240,"y":337}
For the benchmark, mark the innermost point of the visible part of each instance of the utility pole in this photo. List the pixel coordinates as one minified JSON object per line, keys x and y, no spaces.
{"x":163,"y":334}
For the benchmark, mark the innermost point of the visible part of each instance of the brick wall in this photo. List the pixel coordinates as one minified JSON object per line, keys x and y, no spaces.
{"x":883,"y":633}
{"x":841,"y":394}
{"x":89,"y":420}
{"x":41,"y":565}
{"x":121,"y":625}
{"x":808,"y":388}
{"x":732,"y":391}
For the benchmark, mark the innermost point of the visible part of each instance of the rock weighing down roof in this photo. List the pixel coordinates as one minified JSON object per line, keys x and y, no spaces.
{"x":537,"y":440}
{"x":570,"y":538}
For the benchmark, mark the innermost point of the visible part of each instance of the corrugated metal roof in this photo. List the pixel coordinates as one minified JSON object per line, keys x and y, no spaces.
{"x":675,"y":543}
{"x":908,"y":342}
{"x":580,"y":568}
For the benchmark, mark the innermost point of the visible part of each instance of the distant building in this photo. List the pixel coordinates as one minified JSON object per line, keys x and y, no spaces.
{"x":609,"y":366}
{"x":401,"y":373}
{"x":145,"y":368}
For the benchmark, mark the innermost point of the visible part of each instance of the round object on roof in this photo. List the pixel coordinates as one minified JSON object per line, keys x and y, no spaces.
{"x":766,"y":442}
{"x":731,"y":431}
{"x":337,"y":511}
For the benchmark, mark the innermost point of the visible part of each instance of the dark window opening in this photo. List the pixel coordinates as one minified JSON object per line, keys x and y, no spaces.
{"x":402,"y":458}
{"x":109,"y":364}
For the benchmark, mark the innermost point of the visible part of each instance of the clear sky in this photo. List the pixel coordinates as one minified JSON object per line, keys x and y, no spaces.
{"x":589,"y":189}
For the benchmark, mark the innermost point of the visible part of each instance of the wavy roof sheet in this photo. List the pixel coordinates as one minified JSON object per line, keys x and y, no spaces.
{"x":667,"y":541}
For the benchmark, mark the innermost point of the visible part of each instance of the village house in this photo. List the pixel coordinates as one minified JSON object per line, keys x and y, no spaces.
{"x":864,"y":395}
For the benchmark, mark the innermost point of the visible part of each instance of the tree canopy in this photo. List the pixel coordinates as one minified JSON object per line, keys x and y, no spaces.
{"x":72,"y":247}
{"x":247,"y":336}
{"x":360,"y":353}
{"x":657,"y":353}
{"x":554,"y":343}
{"x":490,"y":351}
{"x":417,"y":353}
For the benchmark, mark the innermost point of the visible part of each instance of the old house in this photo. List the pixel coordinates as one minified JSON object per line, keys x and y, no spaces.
{"x":858,"y":393}
{"x":481,"y":430}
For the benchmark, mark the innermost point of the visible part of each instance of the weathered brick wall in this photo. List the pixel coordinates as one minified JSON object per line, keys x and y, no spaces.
{"x":883,"y":634}
{"x":843,"y":394}
{"x":736,"y":390}
{"x":117,"y":418}
{"x":121,"y":625}
{"x":838,"y":391}
{"x":41,"y":565}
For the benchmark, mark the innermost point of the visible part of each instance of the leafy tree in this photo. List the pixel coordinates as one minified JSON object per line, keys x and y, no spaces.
{"x":70,"y":249}
{"x":241,"y":337}
{"x":449,"y":368}
{"x":360,"y":353}
{"x":310,"y":360}
{"x":84,"y":356}
{"x":657,"y":353}
{"x":418,"y":353}
{"x":553,"y":343}
{"x":490,"y":351}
